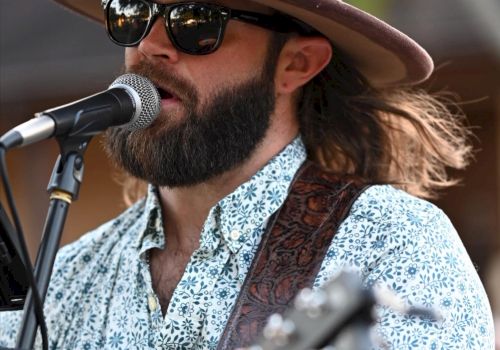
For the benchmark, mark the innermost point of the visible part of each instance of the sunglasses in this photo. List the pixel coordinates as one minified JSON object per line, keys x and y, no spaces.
{"x":194,"y":28}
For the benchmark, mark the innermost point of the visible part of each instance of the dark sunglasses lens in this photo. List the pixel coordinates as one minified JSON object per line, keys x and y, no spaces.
{"x":127,"y":20}
{"x":196,"y":28}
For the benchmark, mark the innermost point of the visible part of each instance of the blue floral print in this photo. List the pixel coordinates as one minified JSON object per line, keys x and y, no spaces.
{"x":101,"y":296}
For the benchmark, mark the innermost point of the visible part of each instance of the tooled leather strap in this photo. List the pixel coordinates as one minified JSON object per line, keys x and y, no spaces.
{"x":291,"y":251}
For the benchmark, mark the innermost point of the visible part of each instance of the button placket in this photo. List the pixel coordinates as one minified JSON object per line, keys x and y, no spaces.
{"x":235,"y":235}
{"x":152,"y":302}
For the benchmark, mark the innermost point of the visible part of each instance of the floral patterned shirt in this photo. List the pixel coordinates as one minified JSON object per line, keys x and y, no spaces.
{"x":101,"y":296}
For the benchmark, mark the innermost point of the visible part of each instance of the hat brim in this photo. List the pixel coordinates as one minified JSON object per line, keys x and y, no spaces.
{"x":384,"y":55}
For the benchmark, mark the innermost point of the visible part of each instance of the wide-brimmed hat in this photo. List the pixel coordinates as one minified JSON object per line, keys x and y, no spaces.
{"x":383,"y":54}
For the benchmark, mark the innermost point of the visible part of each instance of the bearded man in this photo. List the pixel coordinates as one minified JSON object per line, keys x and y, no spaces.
{"x":289,"y":146}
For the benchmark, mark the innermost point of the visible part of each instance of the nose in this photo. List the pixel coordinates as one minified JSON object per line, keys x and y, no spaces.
{"x":157,"y":44}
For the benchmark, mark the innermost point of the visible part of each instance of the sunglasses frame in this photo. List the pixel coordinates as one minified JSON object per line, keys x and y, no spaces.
{"x":277,"y":22}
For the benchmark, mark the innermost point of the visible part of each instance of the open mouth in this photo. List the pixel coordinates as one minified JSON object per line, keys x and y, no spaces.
{"x":168,"y":96}
{"x":165,"y":94}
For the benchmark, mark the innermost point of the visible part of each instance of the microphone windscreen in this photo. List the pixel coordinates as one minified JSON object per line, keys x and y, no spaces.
{"x":146,"y":98}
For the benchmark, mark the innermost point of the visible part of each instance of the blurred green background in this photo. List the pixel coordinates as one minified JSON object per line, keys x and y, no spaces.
{"x":378,"y":8}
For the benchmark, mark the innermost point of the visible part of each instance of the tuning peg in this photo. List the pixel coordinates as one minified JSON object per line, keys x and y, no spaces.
{"x":312,"y":303}
{"x":278,"y":330}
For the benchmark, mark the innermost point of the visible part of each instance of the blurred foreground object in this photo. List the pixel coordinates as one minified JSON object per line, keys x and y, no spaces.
{"x":339,"y":315}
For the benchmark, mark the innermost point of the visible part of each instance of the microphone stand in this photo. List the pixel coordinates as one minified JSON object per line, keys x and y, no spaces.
{"x":64,"y":186}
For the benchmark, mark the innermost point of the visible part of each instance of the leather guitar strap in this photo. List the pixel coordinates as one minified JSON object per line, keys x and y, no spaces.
{"x":291,"y":251}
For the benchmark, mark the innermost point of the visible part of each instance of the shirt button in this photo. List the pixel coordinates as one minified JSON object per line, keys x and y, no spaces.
{"x":152,"y":303}
{"x":235,"y":235}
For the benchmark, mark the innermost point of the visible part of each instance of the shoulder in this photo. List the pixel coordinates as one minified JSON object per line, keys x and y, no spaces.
{"x":84,"y":271}
{"x":385,"y":223}
{"x":111,"y":237}
{"x":386,"y":203}
{"x":382,"y":223}
{"x":75,"y":266}
{"x":397,"y":241}
{"x":106,"y":236}
{"x":390,"y":219}
{"x":84,"y":266}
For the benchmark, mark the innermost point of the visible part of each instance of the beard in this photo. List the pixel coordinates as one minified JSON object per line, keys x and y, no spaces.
{"x":210,"y":139}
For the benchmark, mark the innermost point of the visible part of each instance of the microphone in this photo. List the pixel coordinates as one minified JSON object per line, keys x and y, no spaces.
{"x":131,"y":102}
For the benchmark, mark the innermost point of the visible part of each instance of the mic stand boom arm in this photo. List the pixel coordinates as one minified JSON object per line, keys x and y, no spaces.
{"x":64,"y":186}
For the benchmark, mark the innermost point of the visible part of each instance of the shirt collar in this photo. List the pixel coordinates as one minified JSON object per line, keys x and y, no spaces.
{"x":151,"y":234}
{"x":242,"y":215}
{"x":237,"y":217}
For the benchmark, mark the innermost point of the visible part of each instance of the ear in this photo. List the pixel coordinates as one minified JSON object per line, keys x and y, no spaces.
{"x":301,"y":59}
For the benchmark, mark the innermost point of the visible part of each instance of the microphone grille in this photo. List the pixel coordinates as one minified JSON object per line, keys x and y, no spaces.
{"x":146,"y":97}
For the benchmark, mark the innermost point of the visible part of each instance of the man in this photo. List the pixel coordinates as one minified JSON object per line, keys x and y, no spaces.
{"x":250,"y":90}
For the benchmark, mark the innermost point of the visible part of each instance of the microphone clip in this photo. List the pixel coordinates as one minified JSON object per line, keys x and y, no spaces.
{"x":67,"y":174}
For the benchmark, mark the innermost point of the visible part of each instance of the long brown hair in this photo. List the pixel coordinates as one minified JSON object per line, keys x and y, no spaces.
{"x":400,"y":135}
{"x":396,"y":135}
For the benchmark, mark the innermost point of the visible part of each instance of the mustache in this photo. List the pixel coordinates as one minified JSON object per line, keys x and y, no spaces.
{"x":164,"y":78}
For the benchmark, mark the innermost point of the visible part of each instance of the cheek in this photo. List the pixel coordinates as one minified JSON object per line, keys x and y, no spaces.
{"x":243,"y":51}
{"x":233,"y":68}
{"x":131,"y":56}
